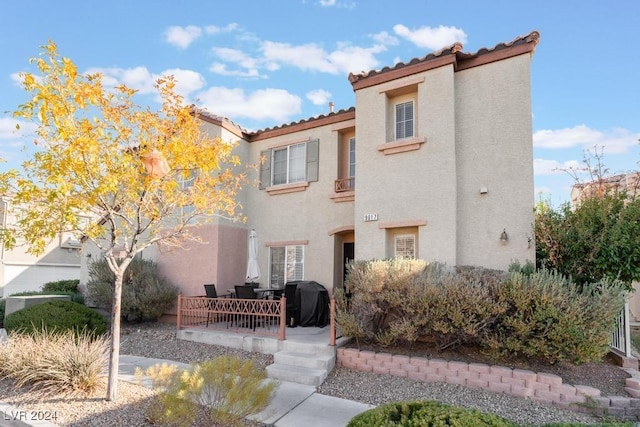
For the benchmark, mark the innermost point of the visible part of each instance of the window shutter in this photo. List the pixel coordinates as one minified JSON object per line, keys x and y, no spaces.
{"x":265,"y":169}
{"x":312,"y":160}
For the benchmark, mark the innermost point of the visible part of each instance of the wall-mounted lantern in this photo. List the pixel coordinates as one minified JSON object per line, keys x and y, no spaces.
{"x":504,"y":237}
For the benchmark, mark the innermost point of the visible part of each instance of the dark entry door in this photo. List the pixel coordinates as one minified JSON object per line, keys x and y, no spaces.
{"x":347,"y":257}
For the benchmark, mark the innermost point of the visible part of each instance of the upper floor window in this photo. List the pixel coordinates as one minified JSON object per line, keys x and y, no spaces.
{"x":289,"y":164}
{"x":404,"y":120}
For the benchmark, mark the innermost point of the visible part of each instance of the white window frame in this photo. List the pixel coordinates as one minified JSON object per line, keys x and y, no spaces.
{"x":352,"y":157}
{"x":296,"y":168}
{"x":404,"y":252}
{"x":292,"y":267}
{"x":401,"y":122}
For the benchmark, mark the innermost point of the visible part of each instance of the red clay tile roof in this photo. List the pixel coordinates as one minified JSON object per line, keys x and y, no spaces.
{"x":449,"y":55}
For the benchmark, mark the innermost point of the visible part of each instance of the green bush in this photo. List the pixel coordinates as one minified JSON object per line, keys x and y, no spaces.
{"x":3,"y":304}
{"x":551,"y":317}
{"x":534,"y":314}
{"x":73,"y":296}
{"x":145,"y":295}
{"x":401,"y":300}
{"x":426,"y":413}
{"x":62,"y":286}
{"x":56,"y":316}
{"x":65,"y":363}
{"x":231,"y":389}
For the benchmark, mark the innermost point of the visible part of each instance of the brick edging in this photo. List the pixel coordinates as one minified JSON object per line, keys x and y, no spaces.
{"x":540,"y":387}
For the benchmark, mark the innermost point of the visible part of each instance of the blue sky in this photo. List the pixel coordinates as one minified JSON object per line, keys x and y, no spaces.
{"x":265,"y":63}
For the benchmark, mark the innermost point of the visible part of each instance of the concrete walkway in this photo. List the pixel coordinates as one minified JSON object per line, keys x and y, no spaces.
{"x":293,"y":404}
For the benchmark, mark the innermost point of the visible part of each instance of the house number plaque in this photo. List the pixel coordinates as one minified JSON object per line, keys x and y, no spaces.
{"x":371,"y":217}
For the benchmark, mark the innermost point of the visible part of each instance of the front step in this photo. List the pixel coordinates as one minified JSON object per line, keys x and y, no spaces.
{"x":325,"y":362}
{"x":296,"y":374}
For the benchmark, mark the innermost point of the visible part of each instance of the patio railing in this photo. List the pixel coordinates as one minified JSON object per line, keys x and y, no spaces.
{"x":621,"y":338}
{"x":258,"y":316}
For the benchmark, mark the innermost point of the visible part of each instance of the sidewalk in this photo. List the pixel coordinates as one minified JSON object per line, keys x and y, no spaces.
{"x":293,"y":404}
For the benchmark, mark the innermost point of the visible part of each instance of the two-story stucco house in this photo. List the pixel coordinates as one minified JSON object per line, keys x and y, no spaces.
{"x":21,"y":271}
{"x":435,"y":161}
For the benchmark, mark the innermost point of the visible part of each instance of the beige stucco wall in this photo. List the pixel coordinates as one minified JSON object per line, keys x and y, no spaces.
{"x":494,"y":150}
{"x":308,"y":215}
{"x":411,"y":186}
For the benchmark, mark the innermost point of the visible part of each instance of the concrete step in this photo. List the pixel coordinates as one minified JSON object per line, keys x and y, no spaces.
{"x":305,"y":360}
{"x":296,"y":374}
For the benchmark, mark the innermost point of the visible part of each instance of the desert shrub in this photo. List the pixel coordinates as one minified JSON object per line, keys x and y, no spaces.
{"x":230,"y":388}
{"x":528,"y":268}
{"x":401,"y":300}
{"x":56,"y":316}
{"x":73,"y":296}
{"x":145,"y":294}
{"x":552,"y":318}
{"x":3,"y":305}
{"x":62,"y":286}
{"x":426,"y":413}
{"x":67,"y":363}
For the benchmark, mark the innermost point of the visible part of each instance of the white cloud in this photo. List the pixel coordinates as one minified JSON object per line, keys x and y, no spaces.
{"x":248,"y":64}
{"x":182,"y":37}
{"x":319,"y":97}
{"x":554,"y":167}
{"x":212,"y":29}
{"x":616,"y":141}
{"x":431,"y":38}
{"x":385,"y":38}
{"x":267,"y":104}
{"x":187,"y":81}
{"x":328,"y":3}
{"x":336,"y":3}
{"x":315,"y":58}
{"x":8,"y":130}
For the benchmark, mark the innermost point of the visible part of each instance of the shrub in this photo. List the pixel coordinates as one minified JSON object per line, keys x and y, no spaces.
{"x":145,"y":295}
{"x":61,"y":286}
{"x":230,"y":388}
{"x":401,"y":300}
{"x":66,"y":363}
{"x":551,"y":317}
{"x":56,"y":316}
{"x":426,"y":413}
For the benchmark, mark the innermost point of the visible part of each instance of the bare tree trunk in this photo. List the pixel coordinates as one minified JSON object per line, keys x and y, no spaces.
{"x":114,"y":359}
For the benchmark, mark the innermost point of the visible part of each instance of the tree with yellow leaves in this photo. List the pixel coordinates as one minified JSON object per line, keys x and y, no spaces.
{"x":115,"y":173}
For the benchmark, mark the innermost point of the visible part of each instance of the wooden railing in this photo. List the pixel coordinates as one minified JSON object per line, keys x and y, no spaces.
{"x":345,"y":184}
{"x":258,"y":316}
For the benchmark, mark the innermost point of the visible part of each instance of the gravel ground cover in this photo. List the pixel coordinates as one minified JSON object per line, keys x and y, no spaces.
{"x":159,"y":341}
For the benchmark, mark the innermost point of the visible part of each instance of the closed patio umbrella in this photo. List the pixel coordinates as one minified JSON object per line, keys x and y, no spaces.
{"x":253,"y":269}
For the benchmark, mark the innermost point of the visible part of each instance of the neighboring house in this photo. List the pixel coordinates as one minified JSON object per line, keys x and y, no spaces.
{"x":435,"y":161}
{"x":629,"y":182}
{"x":20,"y":271}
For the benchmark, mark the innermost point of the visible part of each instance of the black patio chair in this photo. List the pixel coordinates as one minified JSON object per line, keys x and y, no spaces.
{"x":210,"y":291}
{"x":247,"y":292}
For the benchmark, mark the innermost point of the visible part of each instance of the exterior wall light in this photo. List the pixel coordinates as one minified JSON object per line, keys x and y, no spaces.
{"x":504,"y":237}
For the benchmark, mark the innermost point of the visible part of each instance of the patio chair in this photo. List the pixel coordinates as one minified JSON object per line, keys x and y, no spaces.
{"x":247,"y":292}
{"x":210,"y":291}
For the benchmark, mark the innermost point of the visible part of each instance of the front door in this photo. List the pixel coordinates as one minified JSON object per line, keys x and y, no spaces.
{"x":347,"y":257}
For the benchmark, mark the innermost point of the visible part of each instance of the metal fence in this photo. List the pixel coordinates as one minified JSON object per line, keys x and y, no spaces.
{"x":621,"y":338}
